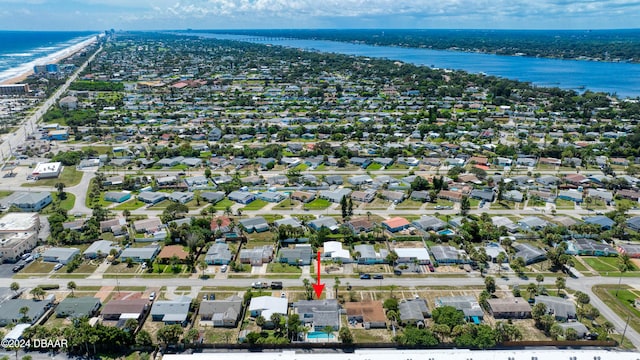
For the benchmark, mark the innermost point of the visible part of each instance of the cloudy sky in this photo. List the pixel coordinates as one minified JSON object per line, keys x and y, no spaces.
{"x":265,"y":14}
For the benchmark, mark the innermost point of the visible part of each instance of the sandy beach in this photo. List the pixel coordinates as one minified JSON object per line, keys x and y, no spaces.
{"x":51,"y":59}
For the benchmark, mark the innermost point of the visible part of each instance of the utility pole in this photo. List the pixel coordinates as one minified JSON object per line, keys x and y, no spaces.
{"x":625,"y":330}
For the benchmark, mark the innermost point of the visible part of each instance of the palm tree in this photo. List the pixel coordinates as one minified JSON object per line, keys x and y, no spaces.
{"x":327,"y":330}
{"x":561,"y":283}
{"x":608,"y":327}
{"x":624,"y":264}
{"x":336,"y":285}
{"x":71,"y":285}
{"x":23,"y":312}
{"x":203,"y":266}
{"x":260,"y":320}
{"x":37,"y":292}
{"x":14,"y":287}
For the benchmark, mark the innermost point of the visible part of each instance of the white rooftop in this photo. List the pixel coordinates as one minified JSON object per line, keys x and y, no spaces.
{"x":18,"y":221}
{"x":418,"y":253}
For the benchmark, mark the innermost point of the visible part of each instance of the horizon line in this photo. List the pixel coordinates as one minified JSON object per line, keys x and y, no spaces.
{"x":320,"y":29}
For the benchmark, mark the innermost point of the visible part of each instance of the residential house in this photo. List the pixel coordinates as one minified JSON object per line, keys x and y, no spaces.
{"x":396,"y":224}
{"x":359,"y":225}
{"x":218,"y":254}
{"x":413,"y":311}
{"x":272,"y":196}
{"x":288,"y":221}
{"x":589,"y":247}
{"x":571,"y":195}
{"x":334,"y":251}
{"x":366,"y":196}
{"x":633,"y":223}
{"x":393,"y":196}
{"x":632,"y":250}
{"x":420,"y":195}
{"x":455,"y":196}
{"x":444,"y":254}
{"x":100,"y":249}
{"x":361,"y":162}
{"x":487,"y":195}
{"x":27,"y":201}
{"x":10,"y":310}
{"x":303,"y":196}
{"x":266,"y":306}
{"x":181,"y":197}
{"x":548,"y":180}
{"x":580,"y":328}
{"x":360,"y":180}
{"x":513,"y":195}
{"x":256,"y":256}
{"x":171,"y":311}
{"x":333,"y":179}
{"x":241,"y":197}
{"x":532,"y":223}
{"x":147,"y":225}
{"x":117,"y":196}
{"x":196,"y":182}
{"x":212,"y":196}
{"x":221,"y":313}
{"x":468,"y":305}
{"x":509,"y":308}
{"x":151,"y":197}
{"x":418,"y":255}
{"x":299,"y":255}
{"x":427,"y":223}
{"x":326,"y":221}
{"x":318,"y":314}
{"x":529,"y":253}
{"x":370,"y":314}
{"x":562,"y":309}
{"x":255,"y":224}
{"x":602,"y":221}
{"x":140,"y":255}
{"x":605,"y":195}
{"x":170,"y":252}
{"x":77,"y":307}
{"x":123,"y":309}
{"x":366,"y":254}
{"x":59,"y":255}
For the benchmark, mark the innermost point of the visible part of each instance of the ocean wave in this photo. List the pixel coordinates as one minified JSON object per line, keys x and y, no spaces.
{"x":20,"y":68}
{"x":26,"y":54}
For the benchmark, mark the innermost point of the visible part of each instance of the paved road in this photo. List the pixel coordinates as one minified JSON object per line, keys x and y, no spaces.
{"x":19,"y":136}
{"x":582,"y":284}
{"x":80,"y":191}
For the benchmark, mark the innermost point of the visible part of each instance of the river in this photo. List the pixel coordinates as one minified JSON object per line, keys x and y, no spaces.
{"x":619,"y":78}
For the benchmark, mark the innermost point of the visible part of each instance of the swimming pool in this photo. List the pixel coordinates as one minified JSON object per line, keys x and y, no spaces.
{"x":446,"y":232}
{"x":319,"y":335}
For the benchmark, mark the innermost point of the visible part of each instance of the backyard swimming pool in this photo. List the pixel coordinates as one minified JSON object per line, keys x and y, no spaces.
{"x":319,"y":335}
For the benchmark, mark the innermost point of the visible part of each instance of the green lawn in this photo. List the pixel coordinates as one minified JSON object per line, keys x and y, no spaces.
{"x":604,"y":264}
{"x":622,"y":304}
{"x":132,"y":204}
{"x":301,"y":167}
{"x":223,"y":204}
{"x":409,"y":204}
{"x":161,"y":205}
{"x":287,"y":204}
{"x":100,"y":201}
{"x":67,"y":203}
{"x":256,"y":204}
{"x":317,"y":204}
{"x":565,"y":204}
{"x":502,"y":205}
{"x":283,"y":268}
{"x":4,"y":194}
{"x":374,"y":167}
{"x":69,"y":177}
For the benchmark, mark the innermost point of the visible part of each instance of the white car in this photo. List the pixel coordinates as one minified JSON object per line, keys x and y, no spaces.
{"x":58,"y":267}
{"x":223,"y":268}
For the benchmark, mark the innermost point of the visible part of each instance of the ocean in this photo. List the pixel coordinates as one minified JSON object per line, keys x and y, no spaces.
{"x":21,"y":50}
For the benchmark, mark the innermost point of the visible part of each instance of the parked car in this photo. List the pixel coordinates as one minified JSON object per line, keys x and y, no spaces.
{"x":18,"y":267}
{"x":152,"y":296}
{"x":365,"y":276}
{"x":276,"y":285}
{"x":58,"y":267}
{"x":397,"y":272}
{"x":259,"y":285}
{"x":224,"y":268}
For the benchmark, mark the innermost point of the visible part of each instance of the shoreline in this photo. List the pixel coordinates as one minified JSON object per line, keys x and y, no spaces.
{"x":22,"y":74}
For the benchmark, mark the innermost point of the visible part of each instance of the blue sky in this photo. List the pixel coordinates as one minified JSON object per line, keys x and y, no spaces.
{"x":264,"y":14}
